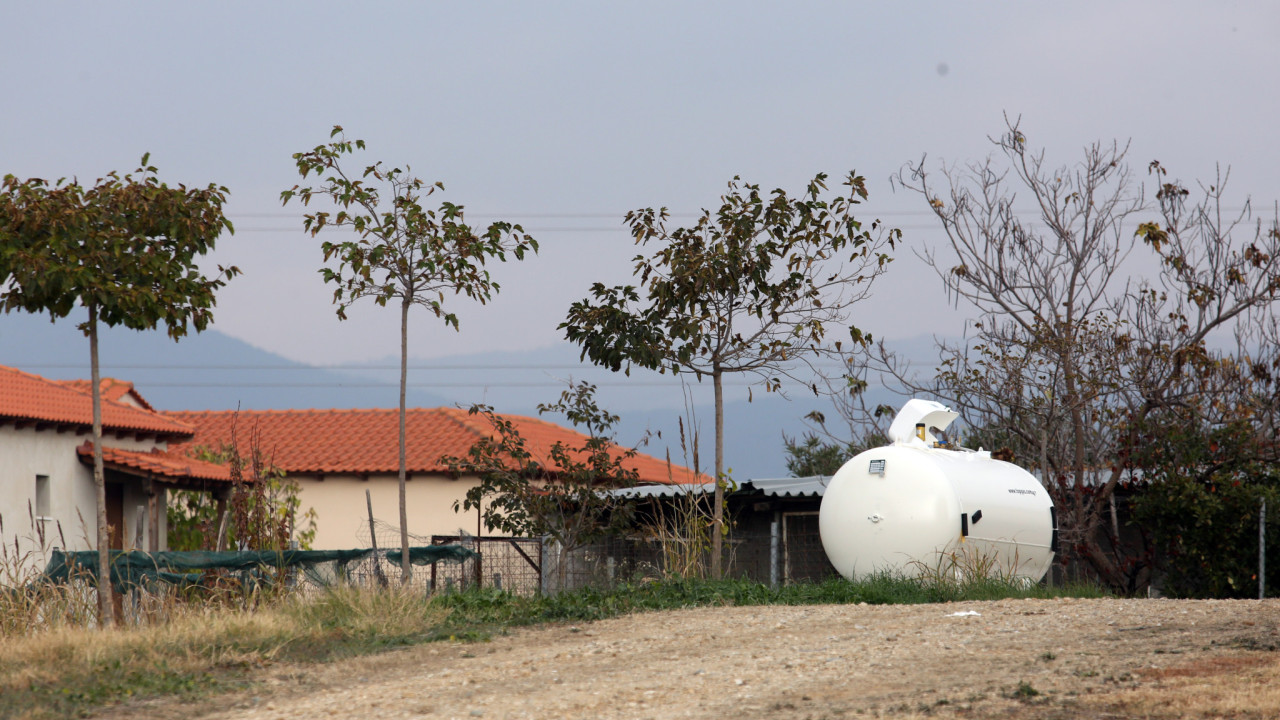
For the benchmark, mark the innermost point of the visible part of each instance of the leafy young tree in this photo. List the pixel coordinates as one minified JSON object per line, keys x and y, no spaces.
{"x":523,"y":494}
{"x":401,"y":251}
{"x":750,"y":289}
{"x":1070,"y":359}
{"x":813,"y":455}
{"x":125,"y":249}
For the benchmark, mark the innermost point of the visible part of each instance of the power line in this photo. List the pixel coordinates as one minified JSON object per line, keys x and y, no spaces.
{"x":565,"y":229}
{"x":1027,"y":212}
{"x":335,"y":368}
{"x":391,"y":385}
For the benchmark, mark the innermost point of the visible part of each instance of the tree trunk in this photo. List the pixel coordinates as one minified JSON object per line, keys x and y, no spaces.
{"x":717,"y":517}
{"x":105,"y":609}
{"x":405,"y":572}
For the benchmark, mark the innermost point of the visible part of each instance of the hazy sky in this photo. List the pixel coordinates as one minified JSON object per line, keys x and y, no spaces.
{"x":563,"y":116}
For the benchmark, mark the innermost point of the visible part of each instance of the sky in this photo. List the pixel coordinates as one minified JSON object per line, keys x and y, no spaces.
{"x":563,"y":116}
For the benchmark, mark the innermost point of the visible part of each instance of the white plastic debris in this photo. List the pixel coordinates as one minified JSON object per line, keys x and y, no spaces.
{"x":965,"y":613}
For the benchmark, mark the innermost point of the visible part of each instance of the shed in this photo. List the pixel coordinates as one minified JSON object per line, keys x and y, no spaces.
{"x":773,"y":526}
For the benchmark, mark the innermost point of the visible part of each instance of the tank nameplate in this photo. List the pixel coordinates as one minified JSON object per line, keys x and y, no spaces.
{"x":877,"y":467}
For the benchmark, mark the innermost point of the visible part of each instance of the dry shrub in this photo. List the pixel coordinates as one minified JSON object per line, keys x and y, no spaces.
{"x":366,"y":613}
{"x":682,"y":529}
{"x":969,"y":566}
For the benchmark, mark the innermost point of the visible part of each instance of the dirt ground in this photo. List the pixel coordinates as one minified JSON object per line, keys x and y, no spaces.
{"x":1013,"y":658}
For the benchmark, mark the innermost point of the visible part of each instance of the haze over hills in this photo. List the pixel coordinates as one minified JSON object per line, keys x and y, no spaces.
{"x":214,"y":371}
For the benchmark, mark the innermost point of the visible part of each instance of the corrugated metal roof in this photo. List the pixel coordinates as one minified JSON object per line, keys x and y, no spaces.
{"x":813,"y":486}
{"x":651,"y":491}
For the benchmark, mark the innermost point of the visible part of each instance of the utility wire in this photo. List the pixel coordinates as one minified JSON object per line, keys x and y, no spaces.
{"x":342,"y":368}
{"x":547,"y":383}
{"x":617,"y":229}
{"x":1025,"y":212}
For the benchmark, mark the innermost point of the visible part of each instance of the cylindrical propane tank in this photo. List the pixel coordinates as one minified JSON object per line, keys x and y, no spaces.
{"x":920,"y":506}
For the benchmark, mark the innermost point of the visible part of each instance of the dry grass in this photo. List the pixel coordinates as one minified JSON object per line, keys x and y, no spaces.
{"x":64,"y":671}
{"x":1245,"y":686}
{"x":28,"y":606}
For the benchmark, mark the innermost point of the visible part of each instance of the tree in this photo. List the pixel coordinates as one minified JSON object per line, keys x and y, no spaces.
{"x":1069,"y":359}
{"x":558,"y":495}
{"x":401,"y":252}
{"x":813,"y":455}
{"x":1200,"y":504}
{"x":125,"y":249}
{"x":750,"y":289}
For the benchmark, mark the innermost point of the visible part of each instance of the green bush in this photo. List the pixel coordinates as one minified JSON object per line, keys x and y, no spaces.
{"x":1206,"y":532}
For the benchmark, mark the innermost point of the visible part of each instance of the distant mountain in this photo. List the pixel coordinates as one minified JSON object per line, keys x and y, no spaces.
{"x":205,"y":371}
{"x":214,"y":371}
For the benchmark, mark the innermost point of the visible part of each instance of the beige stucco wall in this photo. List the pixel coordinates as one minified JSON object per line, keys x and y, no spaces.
{"x":26,"y":453}
{"x":342,"y":519}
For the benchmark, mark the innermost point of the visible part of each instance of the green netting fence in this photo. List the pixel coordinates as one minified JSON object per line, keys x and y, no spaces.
{"x":138,"y":569}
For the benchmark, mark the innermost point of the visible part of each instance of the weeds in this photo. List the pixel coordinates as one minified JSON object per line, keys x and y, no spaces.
{"x":1024,"y":691}
{"x":683,"y":528}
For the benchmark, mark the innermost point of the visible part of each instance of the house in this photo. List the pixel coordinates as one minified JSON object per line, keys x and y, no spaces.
{"x":335,"y":456}
{"x":47,"y":496}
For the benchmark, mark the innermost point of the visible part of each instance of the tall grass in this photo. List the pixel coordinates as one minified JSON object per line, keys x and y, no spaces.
{"x":27,"y":605}
{"x":68,"y":672}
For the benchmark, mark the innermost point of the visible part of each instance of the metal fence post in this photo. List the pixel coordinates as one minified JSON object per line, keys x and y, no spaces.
{"x":543,"y":576}
{"x":773,"y":552}
{"x":1262,"y":549}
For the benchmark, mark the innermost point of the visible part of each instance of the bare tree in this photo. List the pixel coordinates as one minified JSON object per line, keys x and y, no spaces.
{"x":1069,"y":358}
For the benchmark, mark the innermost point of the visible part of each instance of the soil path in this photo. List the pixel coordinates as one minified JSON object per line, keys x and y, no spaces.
{"x":1014,"y":658}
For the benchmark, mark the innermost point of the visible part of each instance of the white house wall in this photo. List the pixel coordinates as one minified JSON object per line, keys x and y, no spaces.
{"x":342,"y":519}
{"x":26,"y":453}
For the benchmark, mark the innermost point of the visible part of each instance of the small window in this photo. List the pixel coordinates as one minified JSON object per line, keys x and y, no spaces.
{"x":43,"y":509}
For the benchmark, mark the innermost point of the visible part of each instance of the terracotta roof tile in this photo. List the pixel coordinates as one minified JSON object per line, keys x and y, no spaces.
{"x":366,"y":441}
{"x":27,"y":397}
{"x":112,"y":389}
{"x":166,"y":464}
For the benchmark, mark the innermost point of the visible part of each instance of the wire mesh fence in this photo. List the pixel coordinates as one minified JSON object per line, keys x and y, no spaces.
{"x":504,"y":563}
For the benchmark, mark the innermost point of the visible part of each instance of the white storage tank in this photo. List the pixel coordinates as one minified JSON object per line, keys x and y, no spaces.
{"x":908,"y":506}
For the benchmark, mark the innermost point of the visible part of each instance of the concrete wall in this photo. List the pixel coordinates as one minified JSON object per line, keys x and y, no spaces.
{"x":342,"y":520}
{"x":26,"y":453}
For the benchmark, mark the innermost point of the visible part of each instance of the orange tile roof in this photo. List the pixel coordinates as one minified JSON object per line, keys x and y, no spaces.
{"x":112,"y":389}
{"x":165,"y":464}
{"x":366,"y":441}
{"x":31,"y":398}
